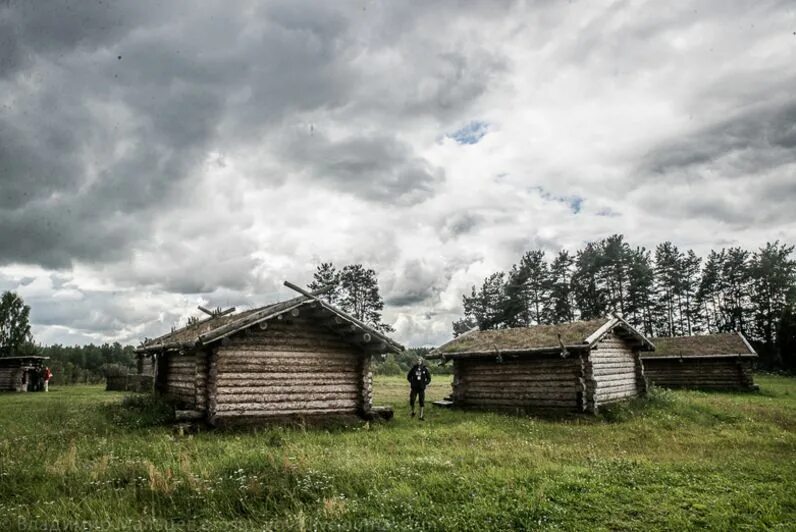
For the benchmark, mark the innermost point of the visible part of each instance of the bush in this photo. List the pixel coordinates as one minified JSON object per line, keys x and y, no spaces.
{"x":142,"y":410}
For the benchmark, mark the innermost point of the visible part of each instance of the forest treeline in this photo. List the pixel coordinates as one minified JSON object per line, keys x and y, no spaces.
{"x":662,"y":292}
{"x":84,"y":364}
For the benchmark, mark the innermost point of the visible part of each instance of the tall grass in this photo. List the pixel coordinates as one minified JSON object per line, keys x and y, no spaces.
{"x":80,"y":457}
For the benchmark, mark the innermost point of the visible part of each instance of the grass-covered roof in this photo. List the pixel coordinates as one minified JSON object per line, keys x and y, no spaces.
{"x":523,"y":338}
{"x":701,"y":346}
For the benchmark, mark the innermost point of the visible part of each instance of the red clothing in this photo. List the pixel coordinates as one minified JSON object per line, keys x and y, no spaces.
{"x":47,"y":374}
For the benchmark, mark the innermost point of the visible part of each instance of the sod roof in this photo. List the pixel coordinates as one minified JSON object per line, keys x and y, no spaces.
{"x":523,"y":338}
{"x":701,"y":346}
{"x":190,"y":333}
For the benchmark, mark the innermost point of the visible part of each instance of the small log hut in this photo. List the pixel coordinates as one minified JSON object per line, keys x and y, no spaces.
{"x":297,"y":358}
{"x":707,"y":362}
{"x":577,"y":366}
{"x":16,"y":372}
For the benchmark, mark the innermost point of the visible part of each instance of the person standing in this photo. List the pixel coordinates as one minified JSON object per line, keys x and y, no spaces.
{"x":419,"y":377}
{"x":47,"y":375}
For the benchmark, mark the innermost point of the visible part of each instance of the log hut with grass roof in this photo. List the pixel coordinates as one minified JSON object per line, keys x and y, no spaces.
{"x":577,"y":366}
{"x":721,"y":361}
{"x":300,"y":358}
{"x":16,"y":373}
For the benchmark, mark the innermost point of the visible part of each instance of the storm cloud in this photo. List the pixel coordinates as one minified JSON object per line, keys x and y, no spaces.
{"x":158,"y":156}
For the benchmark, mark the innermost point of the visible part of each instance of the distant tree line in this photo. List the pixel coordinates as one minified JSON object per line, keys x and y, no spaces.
{"x":661,"y":292}
{"x":88,"y":364}
{"x":70,"y":365}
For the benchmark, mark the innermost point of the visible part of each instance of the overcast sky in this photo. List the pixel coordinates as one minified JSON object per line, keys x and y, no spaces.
{"x":155,"y":156}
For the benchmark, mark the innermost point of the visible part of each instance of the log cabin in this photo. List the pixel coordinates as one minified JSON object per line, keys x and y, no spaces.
{"x":16,"y":372}
{"x":300,"y":358}
{"x":575,"y":367}
{"x":721,"y":361}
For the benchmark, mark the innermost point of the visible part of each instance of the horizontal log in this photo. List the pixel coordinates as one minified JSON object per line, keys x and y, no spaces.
{"x":518,"y":378}
{"x":265,"y":390}
{"x":631,"y":364}
{"x":285,"y":397}
{"x":252,"y":354}
{"x":514,"y":363}
{"x":520,"y":404}
{"x":254,"y":414}
{"x":517,"y":389}
{"x":521,"y":396}
{"x":629,"y":392}
{"x":276,"y":340}
{"x":288,"y":376}
{"x":612,"y":380}
{"x":286,"y":405}
{"x":267,"y":366}
{"x":613,"y":360}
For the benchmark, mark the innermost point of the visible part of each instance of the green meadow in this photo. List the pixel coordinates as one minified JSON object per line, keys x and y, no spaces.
{"x":80,"y":458}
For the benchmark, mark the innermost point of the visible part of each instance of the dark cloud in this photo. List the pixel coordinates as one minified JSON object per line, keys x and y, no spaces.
{"x":414,"y":282}
{"x":374,"y":167}
{"x":759,"y":137}
{"x":114,"y":108}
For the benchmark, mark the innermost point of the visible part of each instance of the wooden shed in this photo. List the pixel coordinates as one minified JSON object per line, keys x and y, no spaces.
{"x":708,"y":362}
{"x":302,"y":357}
{"x":16,"y":372}
{"x":569,"y":367}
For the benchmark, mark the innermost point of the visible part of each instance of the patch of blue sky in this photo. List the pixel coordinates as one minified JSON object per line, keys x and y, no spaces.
{"x":574,"y":202}
{"x":471,"y":133}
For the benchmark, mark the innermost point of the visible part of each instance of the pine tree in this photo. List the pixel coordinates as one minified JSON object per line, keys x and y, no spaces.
{"x":640,"y":291}
{"x":355,"y":289}
{"x":485,"y":307}
{"x":773,"y":276}
{"x":786,"y":333}
{"x":668,"y":285}
{"x":359,"y":295}
{"x":515,"y":303}
{"x":326,"y":275}
{"x":614,"y":266}
{"x":736,"y":287}
{"x":536,"y":285}
{"x":689,"y":285}
{"x":590,"y":296}
{"x":708,"y":296}
{"x":560,"y":302}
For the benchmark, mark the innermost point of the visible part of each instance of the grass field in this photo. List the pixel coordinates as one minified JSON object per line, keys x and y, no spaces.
{"x":76,"y":459}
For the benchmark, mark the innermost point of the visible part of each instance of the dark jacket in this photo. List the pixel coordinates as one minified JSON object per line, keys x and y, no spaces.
{"x":419,"y":377}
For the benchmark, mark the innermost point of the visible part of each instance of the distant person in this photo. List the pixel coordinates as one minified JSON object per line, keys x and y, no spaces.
{"x":419,"y":377}
{"x":47,"y":375}
{"x":38,"y":379}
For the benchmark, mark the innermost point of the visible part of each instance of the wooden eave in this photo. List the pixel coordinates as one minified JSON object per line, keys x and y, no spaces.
{"x":622,"y":329}
{"x":690,"y":357}
{"x":554,"y":351}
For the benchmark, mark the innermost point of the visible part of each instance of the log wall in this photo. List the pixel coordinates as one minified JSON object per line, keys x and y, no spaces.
{"x":294,"y":367}
{"x":11,"y":379}
{"x":180,"y":378}
{"x":724,"y":373}
{"x":518,"y":384}
{"x":614,"y":372}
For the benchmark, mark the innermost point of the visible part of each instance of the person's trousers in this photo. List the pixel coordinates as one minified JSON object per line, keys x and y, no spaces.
{"x":420,"y":395}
